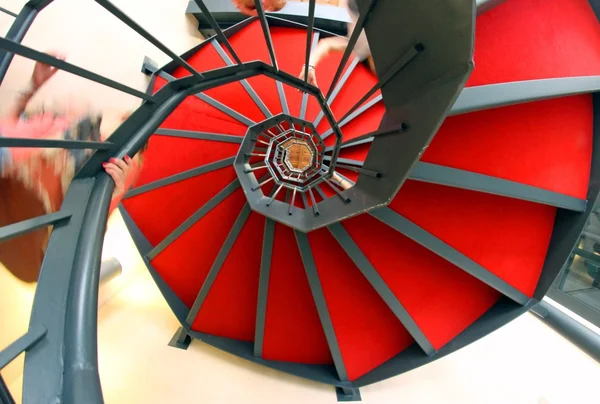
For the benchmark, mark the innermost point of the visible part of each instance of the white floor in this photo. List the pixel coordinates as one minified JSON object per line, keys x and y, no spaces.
{"x":522,"y":363}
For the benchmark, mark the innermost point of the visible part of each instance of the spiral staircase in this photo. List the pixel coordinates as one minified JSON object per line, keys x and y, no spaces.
{"x":327,"y":232}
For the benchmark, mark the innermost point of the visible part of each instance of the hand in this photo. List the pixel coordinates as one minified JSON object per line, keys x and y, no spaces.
{"x":42,"y":72}
{"x":312,"y":76}
{"x":273,"y":5}
{"x":118,"y":169}
{"x":247,"y":6}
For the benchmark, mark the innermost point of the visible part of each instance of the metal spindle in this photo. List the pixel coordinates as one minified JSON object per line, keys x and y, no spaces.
{"x":274,"y":195}
{"x":266,"y":32}
{"x":5,"y":11}
{"x":362,"y":20}
{"x":291,"y":208}
{"x":408,"y":57}
{"x":213,"y":23}
{"x":111,"y":8}
{"x":256,"y":188}
{"x":18,"y":49}
{"x":54,"y":143}
{"x":309,"y":34}
{"x":314,"y":202}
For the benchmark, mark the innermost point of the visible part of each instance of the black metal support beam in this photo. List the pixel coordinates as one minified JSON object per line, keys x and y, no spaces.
{"x":499,"y":95}
{"x":5,"y":396}
{"x":189,"y":222}
{"x":111,"y":8}
{"x":411,"y":358}
{"x":369,"y":137}
{"x":355,"y":113}
{"x":578,"y":334}
{"x":263,"y":286}
{"x":337,"y":89}
{"x":212,"y":102}
{"x":244,"y":349}
{"x":319,"y":298}
{"x":370,"y":273}
{"x":453,"y":177}
{"x":342,"y":160}
{"x":194,"y":172}
{"x":5,"y":11}
{"x":437,"y":246}
{"x":486,"y":5}
{"x":18,"y":29}
{"x":218,"y":263}
{"x":309,"y":46}
{"x":29,"y":53}
{"x":400,"y":64}
{"x":213,"y":23}
{"x":54,"y":143}
{"x":144,"y":247}
{"x":314,"y":202}
{"x":257,"y":100}
{"x":181,"y":339}
{"x":369,"y":5}
{"x":282,"y":99}
{"x":370,"y":173}
{"x":29,"y":225}
{"x":347,"y":394}
{"x":191,"y":134}
{"x":309,"y":34}
{"x":31,"y":337}
{"x":266,"y":32}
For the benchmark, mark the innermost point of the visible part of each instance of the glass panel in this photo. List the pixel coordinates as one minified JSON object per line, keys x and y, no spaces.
{"x":580,"y":278}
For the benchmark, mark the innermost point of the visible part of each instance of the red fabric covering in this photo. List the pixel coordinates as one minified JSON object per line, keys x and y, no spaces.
{"x":441,"y":298}
{"x":167,"y":156}
{"x":547,"y":144}
{"x":293,"y":330}
{"x":249,"y":45}
{"x":157,"y":213}
{"x":233,"y":94}
{"x":185,"y":263}
{"x":507,"y":236}
{"x":230,"y":307}
{"x":535,"y":39}
{"x":367,"y":331}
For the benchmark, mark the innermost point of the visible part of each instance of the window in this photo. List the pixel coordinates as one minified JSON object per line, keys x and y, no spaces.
{"x":577,"y":287}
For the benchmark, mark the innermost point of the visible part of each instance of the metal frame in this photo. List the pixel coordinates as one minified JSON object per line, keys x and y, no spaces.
{"x":377,"y":282}
{"x":437,"y":246}
{"x":578,"y":334}
{"x":218,"y":263}
{"x":61,"y":360}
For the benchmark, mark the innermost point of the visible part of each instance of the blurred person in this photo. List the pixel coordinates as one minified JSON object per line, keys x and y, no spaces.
{"x":339,"y":44}
{"x":248,"y":7}
{"x":33,"y":181}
